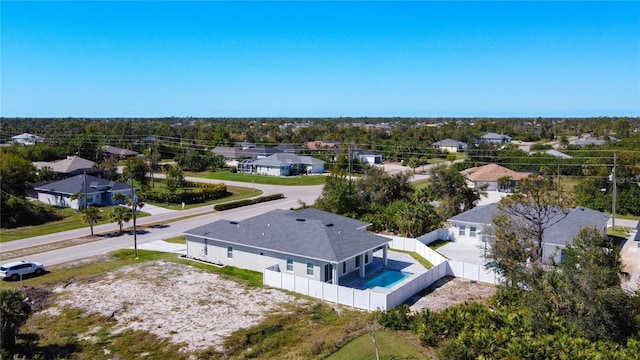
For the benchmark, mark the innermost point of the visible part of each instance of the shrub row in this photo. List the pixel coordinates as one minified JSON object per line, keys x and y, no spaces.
{"x":198,"y":195}
{"x":239,"y":203}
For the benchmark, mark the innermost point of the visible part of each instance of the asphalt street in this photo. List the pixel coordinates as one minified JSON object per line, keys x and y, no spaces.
{"x":168,"y":227}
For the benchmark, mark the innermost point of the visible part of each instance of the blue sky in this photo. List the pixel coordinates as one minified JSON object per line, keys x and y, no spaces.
{"x":308,"y":59}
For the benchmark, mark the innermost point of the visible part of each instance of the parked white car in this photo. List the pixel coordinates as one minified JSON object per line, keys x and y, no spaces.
{"x":17,"y":269}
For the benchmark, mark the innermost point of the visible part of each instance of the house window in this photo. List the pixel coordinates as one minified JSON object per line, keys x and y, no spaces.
{"x":206,"y":248}
{"x":229,"y":252}
{"x":366,"y":258}
{"x":310,"y":268}
{"x":357,"y":261}
{"x":289,"y":264}
{"x":344,"y":267}
{"x":472,"y":231}
{"x":462,"y":230}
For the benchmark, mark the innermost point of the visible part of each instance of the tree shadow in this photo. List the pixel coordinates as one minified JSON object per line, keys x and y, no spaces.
{"x":27,"y":347}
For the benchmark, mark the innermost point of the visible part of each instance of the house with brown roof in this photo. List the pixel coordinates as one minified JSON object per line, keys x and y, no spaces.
{"x":491,"y":174}
{"x":72,"y":165}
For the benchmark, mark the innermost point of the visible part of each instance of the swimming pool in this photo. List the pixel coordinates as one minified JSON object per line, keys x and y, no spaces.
{"x":386,"y":279}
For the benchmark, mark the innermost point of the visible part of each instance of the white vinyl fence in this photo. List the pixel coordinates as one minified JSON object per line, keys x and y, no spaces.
{"x":368,"y":300}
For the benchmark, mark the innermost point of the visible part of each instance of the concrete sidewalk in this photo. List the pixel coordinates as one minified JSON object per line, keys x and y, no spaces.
{"x":163,"y":246}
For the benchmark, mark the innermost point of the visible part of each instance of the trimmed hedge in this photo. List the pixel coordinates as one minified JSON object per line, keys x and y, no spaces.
{"x":240,"y":203}
{"x":201,"y":193}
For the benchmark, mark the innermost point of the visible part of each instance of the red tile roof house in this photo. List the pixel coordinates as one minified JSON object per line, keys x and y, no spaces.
{"x":490,"y":174}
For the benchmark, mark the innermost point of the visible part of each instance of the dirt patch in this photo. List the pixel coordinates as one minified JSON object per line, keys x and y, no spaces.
{"x":187,"y":305}
{"x":450,"y":291}
{"x":39,"y":298}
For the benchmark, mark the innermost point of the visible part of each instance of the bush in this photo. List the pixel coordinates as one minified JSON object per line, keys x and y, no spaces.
{"x":201,"y":193}
{"x":240,"y":203}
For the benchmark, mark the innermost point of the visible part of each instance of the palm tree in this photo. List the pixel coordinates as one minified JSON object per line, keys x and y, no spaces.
{"x":14,"y":312}
{"x":119,"y":197}
{"x":77,"y":196}
{"x":91,"y":215}
{"x":119,"y":215}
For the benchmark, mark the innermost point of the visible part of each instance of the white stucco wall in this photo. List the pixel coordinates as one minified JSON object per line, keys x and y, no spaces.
{"x":265,"y":170}
{"x":257,"y":260}
{"x":465,"y":235}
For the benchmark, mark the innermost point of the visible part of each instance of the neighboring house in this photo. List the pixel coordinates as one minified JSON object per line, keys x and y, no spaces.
{"x":470,"y":226}
{"x":231,"y":154}
{"x":98,"y":191}
{"x":320,"y":145}
{"x":288,"y":148}
{"x":307,"y":243}
{"x":491,"y":174}
{"x":283,"y":164}
{"x":555,"y":153}
{"x":368,"y":157}
{"x":495,"y":138}
{"x":589,"y":141}
{"x":72,"y":165}
{"x":260,"y":151}
{"x":451,"y":146}
{"x":27,"y":139}
{"x":118,"y":152}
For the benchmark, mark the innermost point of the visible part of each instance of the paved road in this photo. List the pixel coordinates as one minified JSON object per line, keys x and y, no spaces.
{"x":294,"y":195}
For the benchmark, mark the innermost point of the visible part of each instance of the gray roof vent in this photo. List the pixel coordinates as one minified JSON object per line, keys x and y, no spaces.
{"x":300,"y":219}
{"x":329,"y":224}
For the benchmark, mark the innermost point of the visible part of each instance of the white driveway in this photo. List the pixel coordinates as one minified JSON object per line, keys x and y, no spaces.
{"x":153,"y":210}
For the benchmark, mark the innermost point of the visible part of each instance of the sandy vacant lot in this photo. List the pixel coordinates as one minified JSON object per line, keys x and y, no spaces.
{"x":450,"y":291}
{"x":174,"y":301}
{"x":199,"y":309}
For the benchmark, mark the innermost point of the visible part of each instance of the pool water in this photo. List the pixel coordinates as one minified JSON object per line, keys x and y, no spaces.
{"x":386,"y":279}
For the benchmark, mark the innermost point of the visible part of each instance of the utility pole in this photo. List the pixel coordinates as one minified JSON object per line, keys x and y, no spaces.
{"x":85,"y":190}
{"x":134,"y":203}
{"x":615,"y":190}
{"x":349,"y":159}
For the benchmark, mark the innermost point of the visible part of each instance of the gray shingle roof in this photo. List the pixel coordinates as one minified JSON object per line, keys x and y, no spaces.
{"x":560,"y":233}
{"x":75,"y":184}
{"x":495,"y":136}
{"x":283,"y":159}
{"x":308,"y":233}
{"x":578,"y":218}
{"x":112,"y":150}
{"x":66,"y":166}
{"x":450,"y":143}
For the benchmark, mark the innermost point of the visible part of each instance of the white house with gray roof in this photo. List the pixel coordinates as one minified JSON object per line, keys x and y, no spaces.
{"x":283,"y":164}
{"x":495,"y":138}
{"x":27,"y":139}
{"x":449,"y":145}
{"x":98,"y":191}
{"x":471,"y":226}
{"x":308,"y":243}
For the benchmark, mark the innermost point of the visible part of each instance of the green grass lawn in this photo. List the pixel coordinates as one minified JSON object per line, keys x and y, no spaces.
{"x":438,"y":244}
{"x":263,"y":179}
{"x":72,"y":220}
{"x":621,"y":232}
{"x":424,"y":262}
{"x":628,"y":217}
{"x":182,"y":239}
{"x":391,"y":345}
{"x":421,"y":183}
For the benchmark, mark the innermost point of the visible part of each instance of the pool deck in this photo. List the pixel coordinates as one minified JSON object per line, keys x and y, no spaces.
{"x":396,"y":261}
